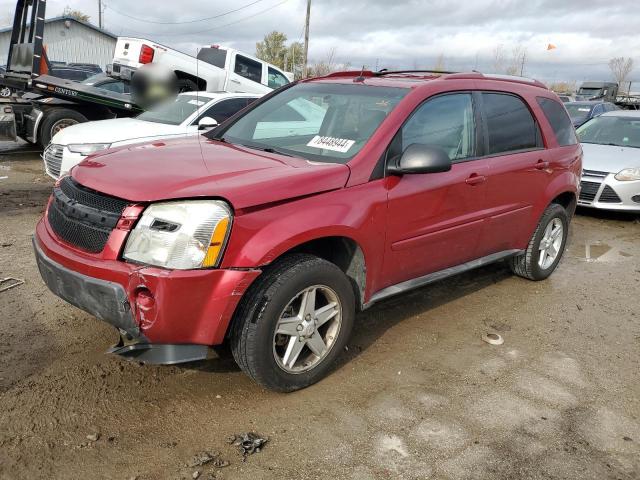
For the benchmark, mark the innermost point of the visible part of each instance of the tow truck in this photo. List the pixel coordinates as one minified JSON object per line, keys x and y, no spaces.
{"x":56,"y":102}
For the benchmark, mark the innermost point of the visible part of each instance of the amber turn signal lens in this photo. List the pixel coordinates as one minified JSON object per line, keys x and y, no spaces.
{"x":217,"y":243}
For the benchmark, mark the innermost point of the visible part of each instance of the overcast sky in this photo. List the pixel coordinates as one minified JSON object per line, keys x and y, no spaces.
{"x":409,"y":34}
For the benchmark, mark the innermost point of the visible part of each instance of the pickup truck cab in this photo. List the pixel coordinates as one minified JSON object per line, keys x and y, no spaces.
{"x":215,"y":69}
{"x":272,"y":242}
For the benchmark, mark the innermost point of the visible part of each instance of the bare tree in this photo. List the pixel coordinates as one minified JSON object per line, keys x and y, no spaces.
{"x":499,"y":58}
{"x":77,"y":14}
{"x":621,"y":68}
{"x":517,"y":61}
{"x":509,"y":64}
{"x":327,"y":65}
{"x":440,"y":64}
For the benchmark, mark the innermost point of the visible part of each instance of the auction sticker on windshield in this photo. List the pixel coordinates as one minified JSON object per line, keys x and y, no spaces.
{"x":341,"y":145}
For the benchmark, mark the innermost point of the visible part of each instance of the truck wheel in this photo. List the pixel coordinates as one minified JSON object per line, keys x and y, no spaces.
{"x":293,"y":322}
{"x":545,"y":247}
{"x":5,"y":92}
{"x":186,"y":85}
{"x":56,"y":120}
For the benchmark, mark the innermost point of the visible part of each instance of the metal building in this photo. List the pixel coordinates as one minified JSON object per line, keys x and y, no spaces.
{"x":70,"y":40}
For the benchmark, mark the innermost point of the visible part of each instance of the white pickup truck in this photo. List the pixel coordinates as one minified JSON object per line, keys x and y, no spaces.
{"x":215,"y":69}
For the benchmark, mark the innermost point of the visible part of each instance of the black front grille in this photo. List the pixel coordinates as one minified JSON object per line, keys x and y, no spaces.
{"x":609,"y":195}
{"x":83,"y":217}
{"x":91,"y":198}
{"x":588,"y":191}
{"x":595,"y":173}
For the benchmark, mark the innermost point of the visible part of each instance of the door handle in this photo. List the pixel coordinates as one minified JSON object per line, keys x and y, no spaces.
{"x":541,"y":165}
{"x":235,"y":81}
{"x":475,"y":179}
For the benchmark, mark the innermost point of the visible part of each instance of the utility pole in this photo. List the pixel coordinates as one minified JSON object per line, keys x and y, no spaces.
{"x":100,"y":13}
{"x":306,"y":38}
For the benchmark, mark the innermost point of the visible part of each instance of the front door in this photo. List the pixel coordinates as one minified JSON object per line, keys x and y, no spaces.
{"x":436,"y":219}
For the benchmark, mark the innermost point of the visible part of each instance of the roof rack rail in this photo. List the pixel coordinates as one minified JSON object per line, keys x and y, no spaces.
{"x":384,"y":71}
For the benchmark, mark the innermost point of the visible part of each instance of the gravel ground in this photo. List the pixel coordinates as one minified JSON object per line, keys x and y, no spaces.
{"x":417,"y":394}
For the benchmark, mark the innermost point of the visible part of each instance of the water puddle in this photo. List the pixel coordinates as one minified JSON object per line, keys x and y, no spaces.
{"x":598,"y":252}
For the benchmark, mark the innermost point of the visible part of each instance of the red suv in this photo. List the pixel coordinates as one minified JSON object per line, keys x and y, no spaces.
{"x":270,"y":232}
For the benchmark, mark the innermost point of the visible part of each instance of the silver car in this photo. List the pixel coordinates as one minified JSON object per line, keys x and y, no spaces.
{"x":611,"y":163}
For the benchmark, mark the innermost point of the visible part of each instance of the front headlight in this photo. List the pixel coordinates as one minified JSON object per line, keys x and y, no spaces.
{"x":181,"y":235}
{"x":87,"y":148}
{"x":628,"y":174}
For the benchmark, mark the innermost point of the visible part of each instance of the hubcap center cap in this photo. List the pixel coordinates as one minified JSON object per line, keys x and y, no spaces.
{"x":307,"y":328}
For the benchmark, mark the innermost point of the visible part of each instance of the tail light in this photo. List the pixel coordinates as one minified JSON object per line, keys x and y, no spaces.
{"x":146,"y":54}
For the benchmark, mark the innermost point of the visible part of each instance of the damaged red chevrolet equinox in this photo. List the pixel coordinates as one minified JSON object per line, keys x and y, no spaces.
{"x":271,"y":231}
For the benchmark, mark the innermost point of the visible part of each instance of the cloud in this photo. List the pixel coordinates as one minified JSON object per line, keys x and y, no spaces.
{"x":401,"y":34}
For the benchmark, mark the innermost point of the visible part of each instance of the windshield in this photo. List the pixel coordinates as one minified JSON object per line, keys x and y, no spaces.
{"x":620,"y":131}
{"x":592,"y":92}
{"x":316,"y":121}
{"x":577,"y":109}
{"x":175,"y":111}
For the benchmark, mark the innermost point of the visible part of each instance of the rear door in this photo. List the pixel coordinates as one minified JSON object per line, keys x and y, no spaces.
{"x":518,"y":169}
{"x":436,"y":219}
{"x":246,"y":75}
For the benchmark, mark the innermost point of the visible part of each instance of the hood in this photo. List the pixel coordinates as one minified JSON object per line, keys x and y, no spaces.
{"x":609,"y":158}
{"x":198,"y":167}
{"x":114,"y":130}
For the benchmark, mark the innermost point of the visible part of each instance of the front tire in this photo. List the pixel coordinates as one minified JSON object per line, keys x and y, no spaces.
{"x":546,"y":246}
{"x":293,"y":322}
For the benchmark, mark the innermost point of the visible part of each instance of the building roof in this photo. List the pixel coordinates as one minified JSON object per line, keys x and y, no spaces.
{"x":63,"y":18}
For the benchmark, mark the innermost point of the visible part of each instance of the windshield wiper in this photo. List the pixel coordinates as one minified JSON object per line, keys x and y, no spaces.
{"x":273,"y":150}
{"x":266,"y":149}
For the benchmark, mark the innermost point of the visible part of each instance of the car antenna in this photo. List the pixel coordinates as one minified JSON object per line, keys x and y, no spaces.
{"x":361,"y":77}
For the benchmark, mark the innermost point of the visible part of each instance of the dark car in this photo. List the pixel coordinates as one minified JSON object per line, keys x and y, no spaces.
{"x":91,"y":67}
{"x":581,"y":112}
{"x":271,"y":238}
{"x":70,"y":73}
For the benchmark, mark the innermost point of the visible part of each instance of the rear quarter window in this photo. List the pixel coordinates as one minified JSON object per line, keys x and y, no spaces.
{"x":559,"y":120}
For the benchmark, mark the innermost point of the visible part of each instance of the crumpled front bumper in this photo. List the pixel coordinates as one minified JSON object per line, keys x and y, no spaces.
{"x":152,"y":305}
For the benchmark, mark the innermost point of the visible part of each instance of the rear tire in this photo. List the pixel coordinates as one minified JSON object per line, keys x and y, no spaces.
{"x":550,"y":237}
{"x":298,"y":301}
{"x":56,"y":120}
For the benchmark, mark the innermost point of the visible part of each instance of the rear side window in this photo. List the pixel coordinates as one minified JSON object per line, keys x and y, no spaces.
{"x":510,"y":125}
{"x":247,"y":68}
{"x":559,"y":120}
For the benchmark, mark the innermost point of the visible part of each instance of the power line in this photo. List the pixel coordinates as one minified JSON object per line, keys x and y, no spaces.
{"x":186,"y":21}
{"x":209,"y":29}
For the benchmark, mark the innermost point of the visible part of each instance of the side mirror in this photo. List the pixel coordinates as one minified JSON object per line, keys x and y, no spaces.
{"x":419,"y":158}
{"x":207,"y":122}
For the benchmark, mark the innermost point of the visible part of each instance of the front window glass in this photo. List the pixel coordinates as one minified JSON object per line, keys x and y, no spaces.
{"x":618,"y":131}
{"x":446,"y":122}
{"x":316,"y":121}
{"x":276,"y":79}
{"x":175,"y":111}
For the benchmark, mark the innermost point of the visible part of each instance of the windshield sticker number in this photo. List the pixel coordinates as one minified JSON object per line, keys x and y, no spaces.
{"x":197,"y":103}
{"x":341,"y":145}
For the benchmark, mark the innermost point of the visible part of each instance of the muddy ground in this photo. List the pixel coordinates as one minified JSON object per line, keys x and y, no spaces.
{"x":417,"y":395}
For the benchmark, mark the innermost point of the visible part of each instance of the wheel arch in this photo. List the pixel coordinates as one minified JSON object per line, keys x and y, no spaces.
{"x":344,"y":252}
